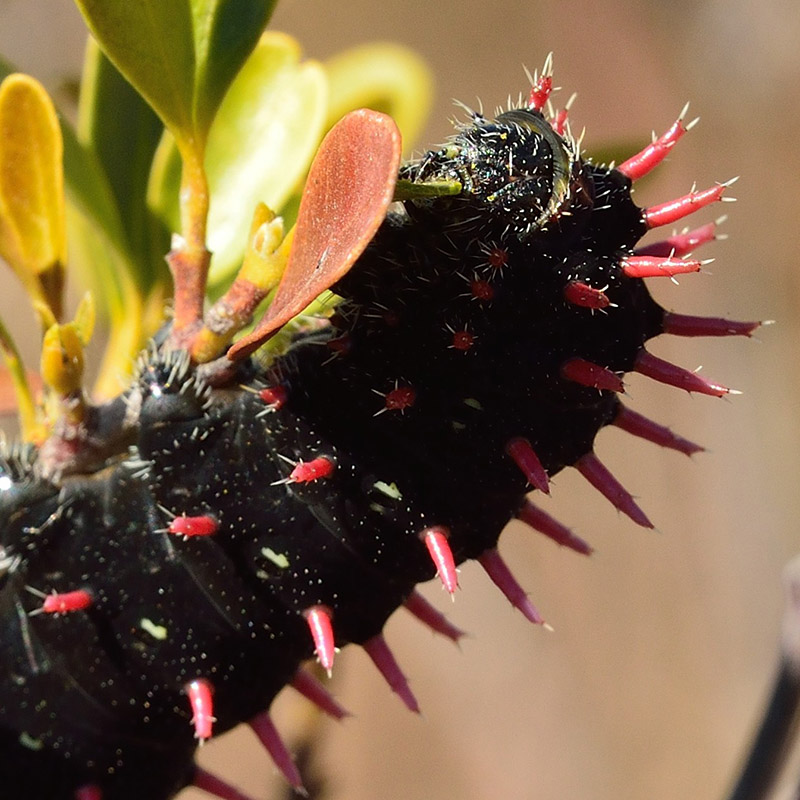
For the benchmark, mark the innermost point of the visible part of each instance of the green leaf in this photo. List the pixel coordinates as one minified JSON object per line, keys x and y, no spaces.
{"x":107,"y":269}
{"x":99,"y":252}
{"x":122,"y":132}
{"x":181,"y":55}
{"x":384,"y":77}
{"x":151,"y":42}
{"x":225,"y":33}
{"x":259,"y":149}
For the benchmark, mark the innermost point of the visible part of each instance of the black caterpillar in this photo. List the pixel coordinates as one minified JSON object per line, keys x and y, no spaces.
{"x":479,"y":348}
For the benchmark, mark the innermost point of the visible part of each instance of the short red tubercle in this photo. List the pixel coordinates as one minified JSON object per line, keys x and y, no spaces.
{"x":89,"y":792}
{"x":66,"y":602}
{"x":651,"y":156}
{"x":341,"y":344}
{"x":199,"y":692}
{"x":462,"y":340}
{"x":541,"y":85}
{"x":658,"y":266}
{"x":540,"y":92}
{"x":274,"y":396}
{"x":524,"y":456}
{"x":481,"y":290}
{"x":391,"y":318}
{"x":435,"y":539}
{"x":673,"y":210}
{"x":319,"y":623}
{"x":664,"y":372}
{"x":581,"y":294}
{"x":559,"y":121}
{"x":314,"y":470}
{"x":587,"y":373}
{"x":497,"y":257}
{"x":400,"y":398}
{"x":189,"y":527}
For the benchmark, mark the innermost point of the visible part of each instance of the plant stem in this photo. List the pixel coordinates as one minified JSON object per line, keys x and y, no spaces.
{"x":189,"y":259}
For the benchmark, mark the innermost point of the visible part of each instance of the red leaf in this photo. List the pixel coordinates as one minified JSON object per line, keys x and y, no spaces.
{"x":349,"y":188}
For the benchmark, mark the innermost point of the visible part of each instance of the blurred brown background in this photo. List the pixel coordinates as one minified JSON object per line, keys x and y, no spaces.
{"x":665,"y":642}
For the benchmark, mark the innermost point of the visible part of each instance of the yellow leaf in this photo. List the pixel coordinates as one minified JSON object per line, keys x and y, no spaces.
{"x":32,"y":238}
{"x":84,"y":318}
{"x":263,"y":263}
{"x":31,"y":424}
{"x":62,"y":359}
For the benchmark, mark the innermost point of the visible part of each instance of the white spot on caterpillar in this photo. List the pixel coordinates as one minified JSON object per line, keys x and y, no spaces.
{"x":278,"y":559}
{"x":158,"y":632}
{"x":473,"y":403}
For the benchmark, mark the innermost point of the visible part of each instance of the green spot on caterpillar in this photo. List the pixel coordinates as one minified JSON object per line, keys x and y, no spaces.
{"x":278,"y":559}
{"x":158,"y":632}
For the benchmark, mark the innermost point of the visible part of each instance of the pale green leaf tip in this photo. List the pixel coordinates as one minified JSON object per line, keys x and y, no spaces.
{"x":383,"y":76}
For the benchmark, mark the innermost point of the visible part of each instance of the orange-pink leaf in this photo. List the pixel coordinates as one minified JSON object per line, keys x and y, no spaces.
{"x":349,"y":188}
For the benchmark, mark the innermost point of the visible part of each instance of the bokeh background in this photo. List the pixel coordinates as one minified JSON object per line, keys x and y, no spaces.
{"x":665,"y":642}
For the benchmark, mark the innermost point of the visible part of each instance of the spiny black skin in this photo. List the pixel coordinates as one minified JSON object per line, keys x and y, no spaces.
{"x":98,"y":694}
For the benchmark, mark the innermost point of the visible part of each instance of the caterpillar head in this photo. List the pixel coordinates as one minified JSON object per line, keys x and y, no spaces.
{"x":516,"y":167}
